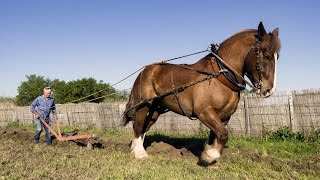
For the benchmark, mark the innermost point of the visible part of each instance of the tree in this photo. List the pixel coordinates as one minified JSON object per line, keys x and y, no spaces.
{"x":30,"y":89}
{"x":121,"y":95}
{"x":86,"y":89}
{"x":60,"y":91}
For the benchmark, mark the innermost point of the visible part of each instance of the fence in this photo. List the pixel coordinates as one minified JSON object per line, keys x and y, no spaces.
{"x":300,"y":110}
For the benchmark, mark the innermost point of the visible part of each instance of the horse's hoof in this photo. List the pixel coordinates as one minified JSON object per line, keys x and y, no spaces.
{"x":89,"y":145}
{"x":140,"y":155}
{"x":215,"y":166}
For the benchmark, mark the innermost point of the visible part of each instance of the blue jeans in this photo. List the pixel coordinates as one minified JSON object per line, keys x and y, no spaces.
{"x":39,"y":127}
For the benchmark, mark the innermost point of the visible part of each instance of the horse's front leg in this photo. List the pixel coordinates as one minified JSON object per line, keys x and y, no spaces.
{"x":218,"y":137}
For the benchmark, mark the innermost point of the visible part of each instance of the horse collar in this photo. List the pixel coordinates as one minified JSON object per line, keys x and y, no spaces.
{"x":226,"y":76}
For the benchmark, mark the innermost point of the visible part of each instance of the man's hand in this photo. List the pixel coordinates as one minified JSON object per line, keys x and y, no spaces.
{"x":36,"y":115}
{"x":55,"y":117}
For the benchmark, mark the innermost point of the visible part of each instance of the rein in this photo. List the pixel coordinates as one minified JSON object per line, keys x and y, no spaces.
{"x":225,"y":71}
{"x":213,"y":50}
{"x":209,"y":76}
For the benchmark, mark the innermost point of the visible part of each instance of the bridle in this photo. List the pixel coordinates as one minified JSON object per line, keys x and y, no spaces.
{"x":256,"y":48}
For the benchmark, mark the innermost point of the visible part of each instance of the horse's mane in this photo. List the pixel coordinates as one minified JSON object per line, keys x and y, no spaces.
{"x":275,"y":43}
{"x":245,"y":31}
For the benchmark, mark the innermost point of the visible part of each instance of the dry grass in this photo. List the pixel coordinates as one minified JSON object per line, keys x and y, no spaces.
{"x":243,"y":159}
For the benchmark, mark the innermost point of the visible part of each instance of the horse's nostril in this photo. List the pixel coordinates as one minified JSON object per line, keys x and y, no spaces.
{"x":267,"y":93}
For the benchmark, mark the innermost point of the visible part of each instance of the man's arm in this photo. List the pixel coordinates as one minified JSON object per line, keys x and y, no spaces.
{"x":33,"y":108}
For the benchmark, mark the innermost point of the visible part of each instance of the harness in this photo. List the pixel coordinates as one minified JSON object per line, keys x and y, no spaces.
{"x":228,"y":74}
{"x":221,"y":70}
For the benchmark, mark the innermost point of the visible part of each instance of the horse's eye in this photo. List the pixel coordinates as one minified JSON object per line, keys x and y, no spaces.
{"x":266,"y":56}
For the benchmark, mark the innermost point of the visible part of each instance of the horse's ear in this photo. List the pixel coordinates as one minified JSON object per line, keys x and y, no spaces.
{"x":261,"y":31}
{"x":275,"y":32}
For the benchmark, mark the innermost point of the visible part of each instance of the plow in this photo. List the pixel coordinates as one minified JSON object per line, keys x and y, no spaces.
{"x":89,"y":138}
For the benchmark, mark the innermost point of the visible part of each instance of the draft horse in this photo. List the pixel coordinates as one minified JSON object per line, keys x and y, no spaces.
{"x":208,"y":90}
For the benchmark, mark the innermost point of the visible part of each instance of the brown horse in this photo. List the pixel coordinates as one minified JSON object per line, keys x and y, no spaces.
{"x":208,"y":90}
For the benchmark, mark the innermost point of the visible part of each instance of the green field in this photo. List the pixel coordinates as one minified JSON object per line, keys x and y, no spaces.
{"x":171,"y":156}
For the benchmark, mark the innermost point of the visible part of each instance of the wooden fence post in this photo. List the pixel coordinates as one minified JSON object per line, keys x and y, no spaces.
{"x":246,"y":115}
{"x":293,"y":125}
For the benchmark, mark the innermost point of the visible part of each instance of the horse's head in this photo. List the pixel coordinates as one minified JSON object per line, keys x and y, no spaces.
{"x":261,"y":62}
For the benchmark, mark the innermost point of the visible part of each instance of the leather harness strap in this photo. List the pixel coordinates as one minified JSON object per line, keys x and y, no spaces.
{"x":225,"y":76}
{"x":176,"y":96}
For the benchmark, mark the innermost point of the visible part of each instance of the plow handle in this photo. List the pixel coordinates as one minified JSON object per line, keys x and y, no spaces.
{"x":51,"y":130}
{"x":59,"y":136}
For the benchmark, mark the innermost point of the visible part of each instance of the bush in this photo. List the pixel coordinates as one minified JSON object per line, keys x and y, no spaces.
{"x":282,"y":134}
{"x":286,"y":134}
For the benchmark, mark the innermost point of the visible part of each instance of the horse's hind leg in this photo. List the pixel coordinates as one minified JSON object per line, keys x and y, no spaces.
{"x":137,"y":143}
{"x":144,"y":119}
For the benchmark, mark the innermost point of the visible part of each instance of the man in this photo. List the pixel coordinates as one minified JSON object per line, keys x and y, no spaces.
{"x":41,"y":107}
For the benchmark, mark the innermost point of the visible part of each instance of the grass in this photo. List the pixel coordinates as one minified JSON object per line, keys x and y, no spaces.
{"x":244,"y":158}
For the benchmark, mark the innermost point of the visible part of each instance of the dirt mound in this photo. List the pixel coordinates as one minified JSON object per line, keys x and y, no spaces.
{"x":169,"y":150}
{"x":18,"y":134}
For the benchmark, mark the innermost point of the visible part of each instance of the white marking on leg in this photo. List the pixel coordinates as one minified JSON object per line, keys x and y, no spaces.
{"x":275,"y":55}
{"x":138,"y":149}
{"x":210,"y":154}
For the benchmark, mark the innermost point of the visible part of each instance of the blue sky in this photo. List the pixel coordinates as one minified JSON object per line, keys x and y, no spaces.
{"x":108,"y":40}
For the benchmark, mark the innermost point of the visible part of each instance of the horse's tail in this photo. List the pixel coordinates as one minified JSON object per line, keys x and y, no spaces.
{"x":128,"y":114}
{"x":131,"y":107}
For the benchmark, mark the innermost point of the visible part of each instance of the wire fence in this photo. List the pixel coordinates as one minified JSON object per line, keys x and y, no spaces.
{"x":299,"y":110}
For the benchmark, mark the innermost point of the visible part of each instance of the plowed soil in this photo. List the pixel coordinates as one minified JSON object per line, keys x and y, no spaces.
{"x":168,"y":146}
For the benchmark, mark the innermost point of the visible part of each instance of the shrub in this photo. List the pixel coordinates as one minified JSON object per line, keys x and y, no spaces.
{"x":286,"y":134}
{"x":282,"y":134}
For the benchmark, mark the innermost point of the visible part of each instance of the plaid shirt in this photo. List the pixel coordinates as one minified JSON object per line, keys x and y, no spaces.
{"x":43,"y":106}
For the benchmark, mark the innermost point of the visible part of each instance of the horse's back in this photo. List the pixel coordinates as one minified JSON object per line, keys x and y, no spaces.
{"x":158,"y":79}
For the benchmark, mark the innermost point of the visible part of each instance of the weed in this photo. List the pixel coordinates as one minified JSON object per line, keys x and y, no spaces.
{"x":314,"y":135}
{"x":13,"y":124}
